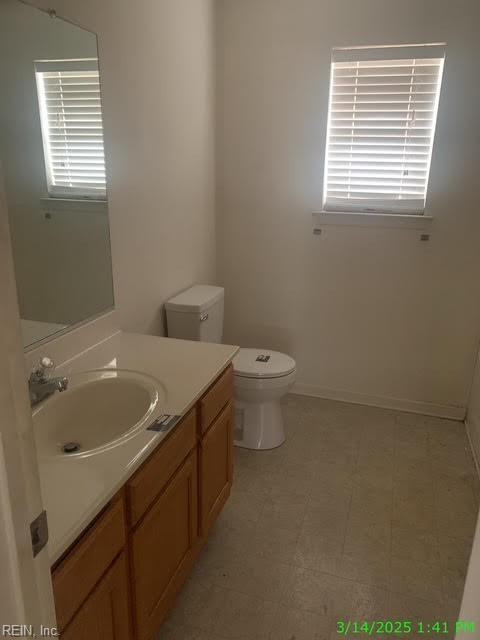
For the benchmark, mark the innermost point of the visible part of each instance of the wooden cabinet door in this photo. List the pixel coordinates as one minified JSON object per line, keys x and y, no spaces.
{"x":105,"y":615}
{"x":163,"y":549}
{"x":216,"y":468}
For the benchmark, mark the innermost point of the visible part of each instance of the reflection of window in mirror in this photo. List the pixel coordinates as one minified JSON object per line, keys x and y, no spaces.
{"x":72,"y":131}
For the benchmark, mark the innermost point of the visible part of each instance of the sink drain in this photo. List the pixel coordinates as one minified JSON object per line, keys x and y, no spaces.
{"x":71,"y":447}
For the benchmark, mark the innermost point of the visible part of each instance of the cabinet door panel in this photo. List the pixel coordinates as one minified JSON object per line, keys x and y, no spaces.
{"x":216,"y":398}
{"x":79,"y":572}
{"x":163,"y":549}
{"x":105,"y":615}
{"x":156,"y":472}
{"x":216,"y":468}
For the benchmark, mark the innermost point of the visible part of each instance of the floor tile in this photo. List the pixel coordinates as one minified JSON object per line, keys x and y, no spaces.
{"x":318,"y":550}
{"x":411,"y":442}
{"x":456,"y":507}
{"x":256,"y":576}
{"x":362,"y":513}
{"x":412,"y":544}
{"x":275,"y":543}
{"x":245,"y":617}
{"x":454,"y":552}
{"x":373,"y":472}
{"x":368,"y":568}
{"x":411,"y":420}
{"x":453,"y":583}
{"x":300,"y":625}
{"x":294,"y":479}
{"x":413,"y":507}
{"x":449,"y":444}
{"x":242,"y":507}
{"x":328,"y":510}
{"x":256,"y":481}
{"x":367,"y":602}
{"x":378,"y":434}
{"x":283,"y":512}
{"x":262,"y":461}
{"x":170,"y":631}
{"x":331,"y":476}
{"x":420,"y":611}
{"x":320,"y":593}
{"x":225,"y":548}
{"x":371,"y":507}
{"x":411,"y":472}
{"x":199,"y":605}
{"x":367,"y":537}
{"x":417,"y":579}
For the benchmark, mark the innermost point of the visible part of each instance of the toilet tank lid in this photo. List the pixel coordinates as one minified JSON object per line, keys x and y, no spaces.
{"x":197,"y":299}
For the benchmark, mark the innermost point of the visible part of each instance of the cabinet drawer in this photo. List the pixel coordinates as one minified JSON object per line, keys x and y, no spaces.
{"x":149,"y":481}
{"x":77,"y":575}
{"x":216,"y":398}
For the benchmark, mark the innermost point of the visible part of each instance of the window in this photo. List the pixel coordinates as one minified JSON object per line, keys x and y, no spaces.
{"x":381,"y":126}
{"x":71,"y":118}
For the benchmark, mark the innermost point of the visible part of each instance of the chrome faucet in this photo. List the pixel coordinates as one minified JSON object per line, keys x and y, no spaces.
{"x":41,"y":385}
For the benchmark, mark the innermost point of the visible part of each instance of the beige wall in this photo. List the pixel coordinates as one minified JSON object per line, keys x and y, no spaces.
{"x":156,"y":60}
{"x":370,"y":314}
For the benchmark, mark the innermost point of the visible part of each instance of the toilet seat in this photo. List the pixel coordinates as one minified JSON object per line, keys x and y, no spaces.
{"x":262,"y":364}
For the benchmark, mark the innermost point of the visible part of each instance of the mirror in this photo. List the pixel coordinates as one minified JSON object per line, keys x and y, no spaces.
{"x":52,"y":157}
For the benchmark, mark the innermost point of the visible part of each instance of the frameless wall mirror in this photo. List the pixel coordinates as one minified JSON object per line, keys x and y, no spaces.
{"x":53,"y":165}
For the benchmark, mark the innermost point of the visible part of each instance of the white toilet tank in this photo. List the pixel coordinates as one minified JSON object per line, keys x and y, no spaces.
{"x":196,"y":314}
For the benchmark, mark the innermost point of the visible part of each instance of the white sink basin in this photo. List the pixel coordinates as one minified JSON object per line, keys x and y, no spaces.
{"x":100,"y":410}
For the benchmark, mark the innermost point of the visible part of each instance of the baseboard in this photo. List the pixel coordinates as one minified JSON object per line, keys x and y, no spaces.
{"x":385,"y":402}
{"x":473,"y":433}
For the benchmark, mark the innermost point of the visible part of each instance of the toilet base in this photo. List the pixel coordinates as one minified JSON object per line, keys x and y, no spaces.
{"x":258,"y":426}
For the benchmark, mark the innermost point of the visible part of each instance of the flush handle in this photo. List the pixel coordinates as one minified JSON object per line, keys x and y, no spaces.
{"x":203,"y":317}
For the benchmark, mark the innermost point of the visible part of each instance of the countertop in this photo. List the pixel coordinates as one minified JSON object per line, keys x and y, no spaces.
{"x":75,"y":490}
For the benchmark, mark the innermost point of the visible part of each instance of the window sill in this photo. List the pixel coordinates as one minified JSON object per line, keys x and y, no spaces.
{"x":74,"y":204}
{"x":391,"y":220}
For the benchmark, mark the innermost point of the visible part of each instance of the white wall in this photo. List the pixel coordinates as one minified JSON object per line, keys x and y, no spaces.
{"x":156,"y":62}
{"x":372,"y":313}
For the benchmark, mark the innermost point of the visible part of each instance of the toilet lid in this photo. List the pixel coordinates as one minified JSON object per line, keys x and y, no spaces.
{"x":262,"y":363}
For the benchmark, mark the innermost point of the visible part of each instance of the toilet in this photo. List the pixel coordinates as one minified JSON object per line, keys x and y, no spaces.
{"x":261,"y":377}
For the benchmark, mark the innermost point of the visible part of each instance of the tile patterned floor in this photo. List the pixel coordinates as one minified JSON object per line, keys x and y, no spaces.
{"x":363,"y":513}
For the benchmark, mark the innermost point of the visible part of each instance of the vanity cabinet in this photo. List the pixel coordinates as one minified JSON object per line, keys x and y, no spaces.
{"x":78,"y":576}
{"x":120,"y":579}
{"x":156,"y":472}
{"x":105,"y":613}
{"x":216,"y":468}
{"x":163,"y":549}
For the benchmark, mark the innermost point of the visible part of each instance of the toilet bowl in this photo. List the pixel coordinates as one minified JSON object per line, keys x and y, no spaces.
{"x":261,"y":377}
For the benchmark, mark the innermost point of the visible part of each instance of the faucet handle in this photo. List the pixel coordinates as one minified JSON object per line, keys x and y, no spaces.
{"x":39,"y":372}
{"x":46,"y":363}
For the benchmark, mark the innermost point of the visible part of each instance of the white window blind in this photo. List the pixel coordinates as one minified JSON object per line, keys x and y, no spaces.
{"x":71,"y":117}
{"x":381,"y":126}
